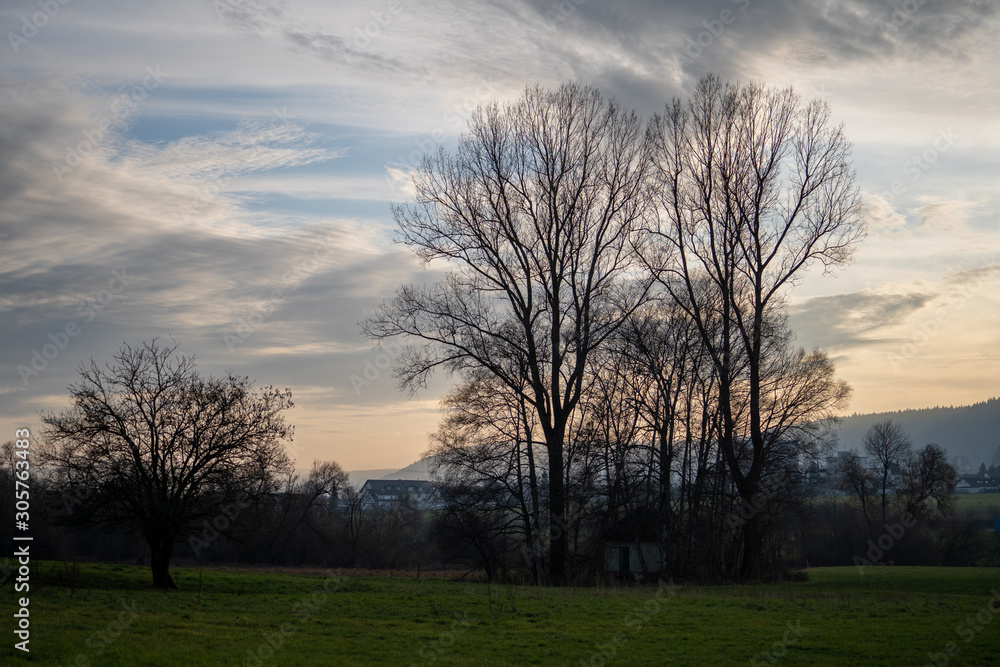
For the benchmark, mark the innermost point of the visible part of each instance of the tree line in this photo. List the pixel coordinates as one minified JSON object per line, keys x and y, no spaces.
{"x":612,"y":309}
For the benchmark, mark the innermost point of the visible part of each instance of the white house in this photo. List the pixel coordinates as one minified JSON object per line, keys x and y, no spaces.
{"x":415,"y":493}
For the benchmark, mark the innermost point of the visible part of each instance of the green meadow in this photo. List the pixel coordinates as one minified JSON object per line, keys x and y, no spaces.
{"x":979,"y":501}
{"x":99,"y":614}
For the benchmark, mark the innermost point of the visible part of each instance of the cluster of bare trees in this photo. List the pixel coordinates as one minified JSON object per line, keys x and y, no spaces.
{"x":613,"y":311}
{"x":898,"y":480}
{"x":895,"y":504}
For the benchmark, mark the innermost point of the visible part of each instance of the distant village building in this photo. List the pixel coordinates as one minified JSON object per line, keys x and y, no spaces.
{"x":835,"y":464}
{"x":977,"y":484}
{"x":415,"y":493}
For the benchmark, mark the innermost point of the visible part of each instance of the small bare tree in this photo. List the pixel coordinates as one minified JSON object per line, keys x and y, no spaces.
{"x":357,"y":516}
{"x":890,"y":447}
{"x":928,"y":482}
{"x":858,"y":480}
{"x":149,"y":442}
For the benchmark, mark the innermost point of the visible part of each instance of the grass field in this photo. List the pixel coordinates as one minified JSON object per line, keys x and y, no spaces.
{"x":109,"y":615}
{"x":978,"y":501}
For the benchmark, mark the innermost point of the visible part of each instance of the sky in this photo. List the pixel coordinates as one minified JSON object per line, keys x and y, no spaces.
{"x":220,"y":174}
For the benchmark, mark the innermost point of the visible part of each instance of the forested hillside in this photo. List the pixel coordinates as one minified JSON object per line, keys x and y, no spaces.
{"x":971,"y":431}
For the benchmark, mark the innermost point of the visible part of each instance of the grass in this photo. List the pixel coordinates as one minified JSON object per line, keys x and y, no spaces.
{"x":978,"y":501}
{"x":96,"y":614}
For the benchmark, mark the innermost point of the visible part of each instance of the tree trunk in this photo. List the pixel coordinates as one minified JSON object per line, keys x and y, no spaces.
{"x":558,"y":528}
{"x":160,"y":550}
{"x":751,"y":546}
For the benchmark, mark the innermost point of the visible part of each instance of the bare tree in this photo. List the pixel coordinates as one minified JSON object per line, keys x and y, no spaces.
{"x":889,"y":445}
{"x":486,"y":441}
{"x":536,"y":213}
{"x":149,"y":442}
{"x":754,"y":187}
{"x":356,"y":515}
{"x":304,"y":503}
{"x":857,"y":480}
{"x":928,"y":482}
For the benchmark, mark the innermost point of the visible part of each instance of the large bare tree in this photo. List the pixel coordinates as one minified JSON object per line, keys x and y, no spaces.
{"x":149,"y":442}
{"x":754,"y":186}
{"x":536,"y":214}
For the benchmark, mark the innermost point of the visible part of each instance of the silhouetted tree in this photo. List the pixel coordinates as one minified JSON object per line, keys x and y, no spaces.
{"x":149,"y":442}
{"x":857,"y":480}
{"x":889,"y":446}
{"x":928,"y":482}
{"x":754,"y":187}
{"x":536,"y":213}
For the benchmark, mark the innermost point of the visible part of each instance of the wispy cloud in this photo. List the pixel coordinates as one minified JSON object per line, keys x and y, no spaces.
{"x":855,"y":319}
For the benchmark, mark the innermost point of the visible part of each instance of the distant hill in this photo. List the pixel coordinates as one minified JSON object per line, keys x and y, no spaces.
{"x":359,"y":477}
{"x":971,"y":432}
{"x":416,"y":470}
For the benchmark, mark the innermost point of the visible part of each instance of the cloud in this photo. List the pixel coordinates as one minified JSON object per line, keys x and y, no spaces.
{"x":855,"y":319}
{"x":882,"y":218}
{"x":947,"y":215}
{"x":264,"y":20}
{"x":123,"y":249}
{"x":209,"y":205}
{"x":336,"y":48}
{"x":973,"y":278}
{"x":402,"y":180}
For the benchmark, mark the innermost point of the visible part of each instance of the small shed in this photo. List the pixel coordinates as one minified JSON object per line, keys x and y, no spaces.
{"x":632,"y":546}
{"x":626,"y":559}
